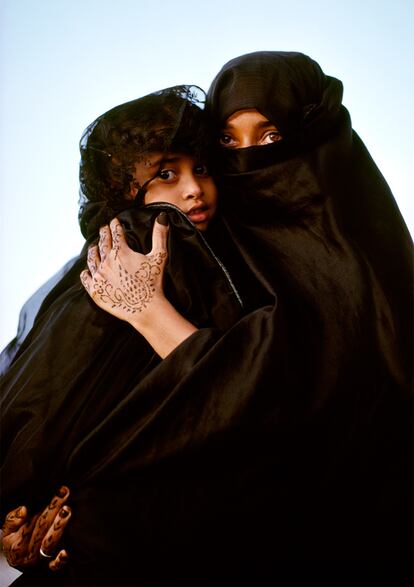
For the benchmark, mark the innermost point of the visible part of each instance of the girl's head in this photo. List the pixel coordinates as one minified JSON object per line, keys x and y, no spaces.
{"x":262,"y":97}
{"x":178,"y":178}
{"x":149,"y":150}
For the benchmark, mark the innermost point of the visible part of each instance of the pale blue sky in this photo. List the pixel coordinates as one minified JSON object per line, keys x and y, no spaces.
{"x":64,"y":62}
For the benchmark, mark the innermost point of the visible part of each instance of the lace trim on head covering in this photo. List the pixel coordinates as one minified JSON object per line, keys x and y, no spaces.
{"x":166,"y":120}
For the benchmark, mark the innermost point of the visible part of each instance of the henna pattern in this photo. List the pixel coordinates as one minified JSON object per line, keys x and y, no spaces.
{"x":84,"y":280}
{"x":11,"y":516}
{"x":116,"y":239}
{"x":103,"y":244}
{"x":91,"y":260}
{"x":21,"y":543}
{"x":136,"y":289}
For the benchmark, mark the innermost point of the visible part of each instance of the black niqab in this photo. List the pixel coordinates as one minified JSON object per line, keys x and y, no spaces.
{"x":329,"y":163}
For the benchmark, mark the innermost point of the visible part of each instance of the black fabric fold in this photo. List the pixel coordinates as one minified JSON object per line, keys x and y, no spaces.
{"x":272,"y":447}
{"x":316,"y":220}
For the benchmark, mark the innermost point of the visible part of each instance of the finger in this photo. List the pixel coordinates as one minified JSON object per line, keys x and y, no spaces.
{"x":105,"y":242}
{"x":15,"y":548}
{"x":14,"y":520}
{"x":47,"y":517}
{"x":15,"y":545}
{"x":160,"y":233}
{"x":93,"y":259}
{"x":13,"y":558}
{"x":86,"y":280}
{"x":53,"y":536}
{"x":118,"y":236}
{"x":59,"y":561}
{"x":23,"y":536}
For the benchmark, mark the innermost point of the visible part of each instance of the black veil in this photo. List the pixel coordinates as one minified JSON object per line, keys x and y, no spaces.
{"x":123,"y":135}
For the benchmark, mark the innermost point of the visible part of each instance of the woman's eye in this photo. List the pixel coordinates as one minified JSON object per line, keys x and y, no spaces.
{"x":227,"y":140}
{"x":272,"y":136}
{"x":167,"y":174}
{"x":201,"y":170}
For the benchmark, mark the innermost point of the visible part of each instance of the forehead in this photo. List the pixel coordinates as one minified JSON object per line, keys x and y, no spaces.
{"x":155,"y":158}
{"x":247,"y":116}
{"x":151,"y":163}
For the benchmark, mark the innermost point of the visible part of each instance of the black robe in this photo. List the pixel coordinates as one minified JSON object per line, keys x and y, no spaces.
{"x":161,"y":457}
{"x":316,"y":220}
{"x":272,"y":446}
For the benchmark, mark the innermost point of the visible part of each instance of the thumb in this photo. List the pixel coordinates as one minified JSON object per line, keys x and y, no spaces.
{"x":160,"y":233}
{"x":14,"y":520}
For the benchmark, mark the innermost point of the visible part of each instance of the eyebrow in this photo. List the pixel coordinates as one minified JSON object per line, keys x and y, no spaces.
{"x":173,"y":159}
{"x":162,"y":160}
{"x":262,"y":124}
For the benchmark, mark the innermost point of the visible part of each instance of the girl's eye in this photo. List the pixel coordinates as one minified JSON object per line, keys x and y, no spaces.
{"x":227,"y":140}
{"x":201,"y":170}
{"x":167,"y":174}
{"x":272,"y":136}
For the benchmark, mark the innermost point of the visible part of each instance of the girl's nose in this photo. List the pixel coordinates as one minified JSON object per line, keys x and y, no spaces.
{"x":192,"y":188}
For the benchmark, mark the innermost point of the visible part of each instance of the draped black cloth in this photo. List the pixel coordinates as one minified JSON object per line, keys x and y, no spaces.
{"x":315,"y":218}
{"x":150,"y":449}
{"x":28,"y":314}
{"x":271,"y":447}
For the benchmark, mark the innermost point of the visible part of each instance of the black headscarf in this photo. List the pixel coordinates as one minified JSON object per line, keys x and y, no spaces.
{"x":284,"y":87}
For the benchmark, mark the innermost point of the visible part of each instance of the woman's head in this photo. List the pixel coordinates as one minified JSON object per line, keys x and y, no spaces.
{"x":124,"y":154}
{"x":278,"y":89}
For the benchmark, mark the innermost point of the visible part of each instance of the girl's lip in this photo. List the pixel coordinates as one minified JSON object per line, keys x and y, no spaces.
{"x":198,"y":213}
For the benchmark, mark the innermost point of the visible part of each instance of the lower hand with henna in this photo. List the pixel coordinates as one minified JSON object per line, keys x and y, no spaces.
{"x":28,"y":541}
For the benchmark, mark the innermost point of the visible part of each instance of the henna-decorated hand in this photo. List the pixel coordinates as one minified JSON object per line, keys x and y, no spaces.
{"x":129,"y":286}
{"x":122,"y":282}
{"x":24,"y":538}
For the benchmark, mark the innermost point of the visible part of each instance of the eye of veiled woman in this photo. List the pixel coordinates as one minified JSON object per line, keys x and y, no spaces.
{"x":272,"y":136}
{"x":226,"y":140}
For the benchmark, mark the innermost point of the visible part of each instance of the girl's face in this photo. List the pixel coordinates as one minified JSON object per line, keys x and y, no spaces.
{"x":178,"y":179}
{"x":246,"y":128}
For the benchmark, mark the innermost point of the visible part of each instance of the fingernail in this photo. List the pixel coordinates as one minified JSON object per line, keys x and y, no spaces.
{"x":64,"y":512}
{"x":63,"y":491}
{"x":162,"y":218}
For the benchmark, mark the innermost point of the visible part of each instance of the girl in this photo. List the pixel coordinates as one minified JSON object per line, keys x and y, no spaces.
{"x":143,"y":443}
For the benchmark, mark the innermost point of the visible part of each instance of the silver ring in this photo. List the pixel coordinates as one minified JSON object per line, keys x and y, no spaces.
{"x":44,"y":554}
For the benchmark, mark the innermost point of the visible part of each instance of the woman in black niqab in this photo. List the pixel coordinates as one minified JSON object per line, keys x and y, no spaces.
{"x":316,"y":221}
